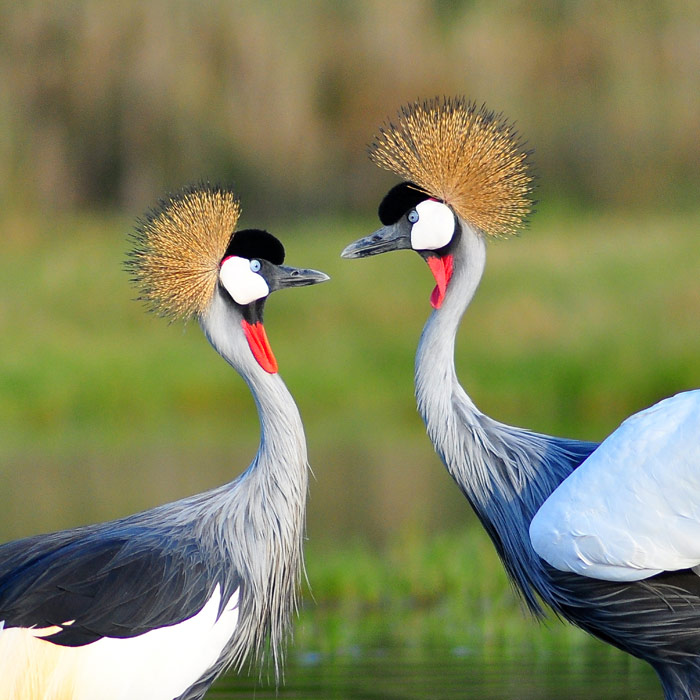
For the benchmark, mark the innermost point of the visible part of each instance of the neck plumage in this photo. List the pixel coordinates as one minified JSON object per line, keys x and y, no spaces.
{"x":506,"y":473}
{"x":281,"y":460}
{"x":260,"y":516}
{"x":435,"y":376}
{"x":453,"y":422}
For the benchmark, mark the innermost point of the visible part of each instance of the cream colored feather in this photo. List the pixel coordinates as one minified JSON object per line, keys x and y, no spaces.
{"x":178,"y":249}
{"x":467,"y":157}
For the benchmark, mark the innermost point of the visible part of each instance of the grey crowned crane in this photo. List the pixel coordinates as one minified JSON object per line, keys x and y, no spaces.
{"x":156,"y":605}
{"x":607,"y":536}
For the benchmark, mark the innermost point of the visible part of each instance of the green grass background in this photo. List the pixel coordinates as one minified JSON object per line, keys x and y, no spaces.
{"x":105,"y":409}
{"x":587,"y":317}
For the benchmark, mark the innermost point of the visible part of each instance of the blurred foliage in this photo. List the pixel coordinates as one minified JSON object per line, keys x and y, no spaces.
{"x":589,"y":317}
{"x":105,"y":409}
{"x":437,"y":592}
{"x":427,"y":617}
{"x":108,"y":103}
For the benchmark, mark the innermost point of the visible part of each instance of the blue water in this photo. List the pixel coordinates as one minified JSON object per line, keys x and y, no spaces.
{"x":381,"y":674}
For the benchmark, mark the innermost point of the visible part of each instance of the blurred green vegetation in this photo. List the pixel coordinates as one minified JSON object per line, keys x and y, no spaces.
{"x":589,"y":316}
{"x":431,"y":597}
{"x":105,"y":409}
{"x":428,"y":617}
{"x":112,"y":103}
{"x":423,"y":592}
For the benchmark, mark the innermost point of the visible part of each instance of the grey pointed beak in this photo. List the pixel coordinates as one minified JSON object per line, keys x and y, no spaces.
{"x":383,"y":240}
{"x":297,"y":277}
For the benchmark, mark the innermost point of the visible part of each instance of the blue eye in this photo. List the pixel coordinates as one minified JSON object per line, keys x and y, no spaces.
{"x":255,"y":265}
{"x":412,"y":216}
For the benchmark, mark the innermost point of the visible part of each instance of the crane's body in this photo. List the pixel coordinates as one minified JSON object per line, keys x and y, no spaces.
{"x":512,"y":476}
{"x":157,"y":604}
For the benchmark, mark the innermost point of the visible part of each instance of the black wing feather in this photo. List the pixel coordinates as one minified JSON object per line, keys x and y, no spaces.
{"x":118,"y":582}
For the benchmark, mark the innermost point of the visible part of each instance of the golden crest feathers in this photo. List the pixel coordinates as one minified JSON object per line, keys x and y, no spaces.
{"x":178,"y":247}
{"x":467,"y":157}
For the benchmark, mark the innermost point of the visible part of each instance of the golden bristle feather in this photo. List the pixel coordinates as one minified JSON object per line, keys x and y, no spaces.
{"x":178,"y":249}
{"x":468,"y":157}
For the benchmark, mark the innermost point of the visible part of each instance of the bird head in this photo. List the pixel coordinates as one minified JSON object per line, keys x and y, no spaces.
{"x":187,"y":255}
{"x":462,"y":167}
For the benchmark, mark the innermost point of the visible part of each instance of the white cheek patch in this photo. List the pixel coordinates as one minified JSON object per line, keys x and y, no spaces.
{"x":244,"y":285}
{"x":435,"y":226}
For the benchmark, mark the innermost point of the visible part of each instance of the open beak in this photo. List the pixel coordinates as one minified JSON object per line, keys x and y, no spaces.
{"x":286,"y":276}
{"x":385,"y":239}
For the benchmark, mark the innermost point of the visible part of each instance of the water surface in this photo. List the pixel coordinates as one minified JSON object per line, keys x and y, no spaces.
{"x":383,"y":674}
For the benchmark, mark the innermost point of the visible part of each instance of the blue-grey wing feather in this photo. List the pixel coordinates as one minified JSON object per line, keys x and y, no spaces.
{"x":118,"y":583}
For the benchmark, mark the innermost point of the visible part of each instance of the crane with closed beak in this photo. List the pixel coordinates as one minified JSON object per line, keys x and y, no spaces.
{"x":156,"y":605}
{"x":607,"y":536}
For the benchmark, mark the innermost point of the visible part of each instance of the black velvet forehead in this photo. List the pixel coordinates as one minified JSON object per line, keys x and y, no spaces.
{"x":399,"y":200}
{"x":255,"y":243}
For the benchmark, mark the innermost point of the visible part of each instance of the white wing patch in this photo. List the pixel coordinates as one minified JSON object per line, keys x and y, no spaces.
{"x":157,"y":665}
{"x":632,"y":509}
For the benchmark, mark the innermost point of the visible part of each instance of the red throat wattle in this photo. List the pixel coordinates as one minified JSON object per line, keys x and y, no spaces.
{"x":441,"y":267}
{"x":260,"y":345}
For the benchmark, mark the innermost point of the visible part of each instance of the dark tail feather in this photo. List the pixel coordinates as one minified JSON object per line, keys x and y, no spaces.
{"x":680,"y":681}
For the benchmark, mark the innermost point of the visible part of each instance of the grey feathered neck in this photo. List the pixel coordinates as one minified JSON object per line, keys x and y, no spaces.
{"x":505,"y":472}
{"x":259,"y":520}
